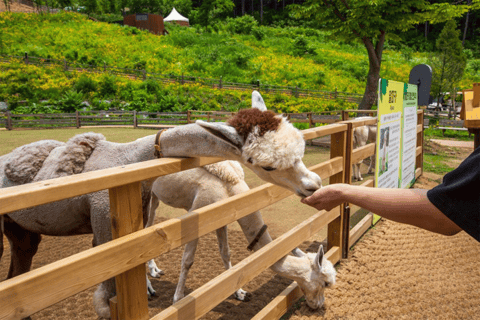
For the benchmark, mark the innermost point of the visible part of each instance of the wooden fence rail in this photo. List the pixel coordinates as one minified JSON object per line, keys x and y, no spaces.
{"x":124,"y":257}
{"x":153,"y":120}
{"x":183,"y":79}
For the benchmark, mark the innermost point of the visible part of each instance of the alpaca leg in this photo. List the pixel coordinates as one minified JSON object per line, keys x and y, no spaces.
{"x":102,"y":233}
{"x":151,"y":265}
{"x":359,"y":173}
{"x":23,"y":246}
{"x":371,"y":167}
{"x":222,"y":237}
{"x":187,"y":262}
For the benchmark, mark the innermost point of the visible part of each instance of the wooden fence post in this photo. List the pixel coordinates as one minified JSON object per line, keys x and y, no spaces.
{"x":65,"y":65}
{"x":189,"y":113}
{"x":26,"y":58}
{"x":77,"y":119}
{"x":144,"y":74}
{"x":127,"y":217}
{"x":347,"y":179}
{"x":183,"y":79}
{"x":336,"y":93}
{"x":220,"y":83}
{"x":338,"y":148}
{"x":135,"y":123}
{"x":9,"y":121}
{"x":419,"y":160}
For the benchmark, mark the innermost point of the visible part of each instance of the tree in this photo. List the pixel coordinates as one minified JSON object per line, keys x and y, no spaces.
{"x":208,"y":10}
{"x":449,"y":62}
{"x":370,"y":22}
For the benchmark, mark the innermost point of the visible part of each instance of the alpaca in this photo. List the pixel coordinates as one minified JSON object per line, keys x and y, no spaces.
{"x":360,"y":137}
{"x":267,"y":144}
{"x":199,"y":187}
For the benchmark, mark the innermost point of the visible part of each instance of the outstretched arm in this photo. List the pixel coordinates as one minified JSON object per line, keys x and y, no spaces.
{"x":410,"y":206}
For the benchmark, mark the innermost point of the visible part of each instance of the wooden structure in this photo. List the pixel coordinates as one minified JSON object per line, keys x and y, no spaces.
{"x":146,"y":21}
{"x":151,"y":120}
{"x":470,"y":112}
{"x":445,"y":124}
{"x":124,"y":257}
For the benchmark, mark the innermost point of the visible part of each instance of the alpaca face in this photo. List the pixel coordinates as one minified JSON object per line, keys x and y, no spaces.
{"x":321,"y":275}
{"x":269,"y":145}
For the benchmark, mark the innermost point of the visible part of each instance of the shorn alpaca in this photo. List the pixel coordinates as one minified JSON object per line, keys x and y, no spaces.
{"x":361,"y":135}
{"x":199,"y":187}
{"x":269,"y":145}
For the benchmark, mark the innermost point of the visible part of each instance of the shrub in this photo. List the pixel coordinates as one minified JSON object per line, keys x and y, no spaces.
{"x":241,"y":25}
{"x":85,"y":85}
{"x":258,"y":33}
{"x":108,"y":87}
{"x":70,"y":101}
{"x":301,"y":47}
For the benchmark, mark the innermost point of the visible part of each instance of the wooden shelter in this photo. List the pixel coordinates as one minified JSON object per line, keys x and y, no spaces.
{"x":146,"y":21}
{"x":470,"y":112}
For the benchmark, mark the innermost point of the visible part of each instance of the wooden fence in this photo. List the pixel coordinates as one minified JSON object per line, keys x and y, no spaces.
{"x":153,"y":120}
{"x":142,"y":74}
{"x":124,"y":257}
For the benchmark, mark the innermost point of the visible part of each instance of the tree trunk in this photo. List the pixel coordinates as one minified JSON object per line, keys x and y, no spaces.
{"x":375,"y":61}
{"x":261,"y":11}
{"x":466,"y":26}
{"x":243,"y":8}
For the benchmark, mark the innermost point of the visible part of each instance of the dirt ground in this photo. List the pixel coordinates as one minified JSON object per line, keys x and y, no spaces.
{"x":394,"y":272}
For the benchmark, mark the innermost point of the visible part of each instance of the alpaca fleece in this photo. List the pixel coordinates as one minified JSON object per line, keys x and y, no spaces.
{"x":278,"y":149}
{"x":227,"y":171}
{"x":23,"y":163}
{"x":248,"y":120}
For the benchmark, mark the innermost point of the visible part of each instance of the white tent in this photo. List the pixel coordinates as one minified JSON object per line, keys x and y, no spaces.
{"x":175,"y":16}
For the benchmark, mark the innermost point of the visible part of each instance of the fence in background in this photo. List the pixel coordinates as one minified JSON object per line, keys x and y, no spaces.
{"x":139,"y":73}
{"x":124,"y":257}
{"x":153,"y":120}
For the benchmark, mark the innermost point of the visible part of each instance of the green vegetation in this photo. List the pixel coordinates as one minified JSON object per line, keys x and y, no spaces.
{"x":438,"y":163}
{"x":233,"y":49}
{"x":449,"y":134}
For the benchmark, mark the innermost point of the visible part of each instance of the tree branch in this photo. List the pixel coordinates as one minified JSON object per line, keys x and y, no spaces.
{"x":335,"y":10}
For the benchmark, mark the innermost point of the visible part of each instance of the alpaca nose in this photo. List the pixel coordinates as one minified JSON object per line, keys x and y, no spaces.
{"x":311,"y":184}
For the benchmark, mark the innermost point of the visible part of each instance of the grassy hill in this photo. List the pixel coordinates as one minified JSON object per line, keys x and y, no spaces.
{"x":306,"y":58}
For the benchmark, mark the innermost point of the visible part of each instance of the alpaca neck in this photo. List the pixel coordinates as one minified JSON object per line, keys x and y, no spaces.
{"x":289,"y":266}
{"x":139,"y":150}
{"x":194,"y":141}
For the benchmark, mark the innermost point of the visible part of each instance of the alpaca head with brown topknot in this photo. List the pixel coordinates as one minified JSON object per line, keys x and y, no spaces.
{"x":269,"y":145}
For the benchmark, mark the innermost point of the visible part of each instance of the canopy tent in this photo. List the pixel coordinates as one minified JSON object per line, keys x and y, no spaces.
{"x":174,"y":16}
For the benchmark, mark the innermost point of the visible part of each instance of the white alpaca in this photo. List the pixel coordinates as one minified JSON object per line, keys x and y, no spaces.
{"x":361,"y":135}
{"x":90,"y":213}
{"x":199,"y":187}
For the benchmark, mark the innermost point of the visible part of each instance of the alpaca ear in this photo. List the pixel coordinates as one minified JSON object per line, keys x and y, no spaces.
{"x":223,"y":131}
{"x":257,"y":101}
{"x":319,"y":257}
{"x":298,"y":253}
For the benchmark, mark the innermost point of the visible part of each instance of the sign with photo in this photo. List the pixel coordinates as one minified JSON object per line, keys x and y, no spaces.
{"x":396,"y":134}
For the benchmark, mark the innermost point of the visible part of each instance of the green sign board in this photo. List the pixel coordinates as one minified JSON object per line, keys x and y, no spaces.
{"x":396,"y":134}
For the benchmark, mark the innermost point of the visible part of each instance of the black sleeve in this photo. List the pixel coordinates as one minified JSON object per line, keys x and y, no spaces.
{"x":458,"y":197}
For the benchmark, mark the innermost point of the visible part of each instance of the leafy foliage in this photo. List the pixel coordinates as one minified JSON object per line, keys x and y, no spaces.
{"x":450,"y":60}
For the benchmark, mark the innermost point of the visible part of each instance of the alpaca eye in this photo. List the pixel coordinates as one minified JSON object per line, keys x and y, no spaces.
{"x":269,"y":168}
{"x":250,"y":160}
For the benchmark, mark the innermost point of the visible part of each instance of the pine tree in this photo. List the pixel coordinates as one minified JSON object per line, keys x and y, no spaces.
{"x":449,"y":60}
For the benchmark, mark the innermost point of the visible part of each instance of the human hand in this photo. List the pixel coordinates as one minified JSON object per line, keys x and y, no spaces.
{"x":326,"y":198}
